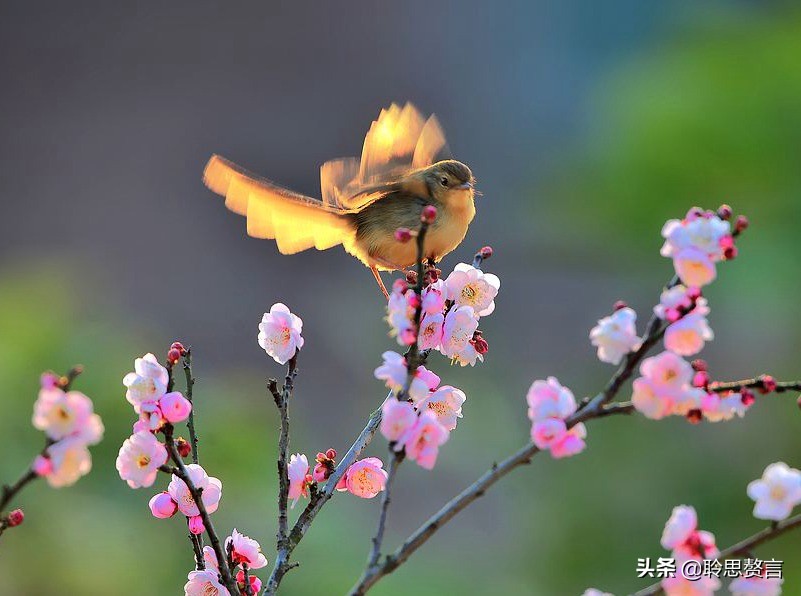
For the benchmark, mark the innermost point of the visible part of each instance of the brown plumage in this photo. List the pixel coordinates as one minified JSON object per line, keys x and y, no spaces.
{"x":363,"y":200}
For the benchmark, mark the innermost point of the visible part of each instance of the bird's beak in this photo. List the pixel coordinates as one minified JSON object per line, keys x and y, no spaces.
{"x":464,"y":186}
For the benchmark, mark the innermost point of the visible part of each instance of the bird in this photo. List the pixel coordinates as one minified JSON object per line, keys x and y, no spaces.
{"x":365,"y":200}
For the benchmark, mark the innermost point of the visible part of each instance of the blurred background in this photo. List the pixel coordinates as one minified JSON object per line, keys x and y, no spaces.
{"x":587,"y":126}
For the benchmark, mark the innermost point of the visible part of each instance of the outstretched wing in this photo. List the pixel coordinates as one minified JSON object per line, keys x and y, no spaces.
{"x":295,"y":221}
{"x":399,"y":141}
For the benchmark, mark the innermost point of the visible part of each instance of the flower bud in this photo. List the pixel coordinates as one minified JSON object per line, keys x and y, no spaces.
{"x":620,"y":304}
{"x":694,"y":416}
{"x":724,"y":212}
{"x":196,"y":525}
{"x":255,"y":582}
{"x":403,"y":235}
{"x":42,"y":466}
{"x":768,"y":384}
{"x":173,"y":356}
{"x":699,"y":364}
{"x":700,"y":379}
{"x":176,"y":345}
{"x":429,"y":214}
{"x":485,"y":252}
{"x":331,"y":453}
{"x":729,"y":253}
{"x":740,"y":224}
{"x":411,"y":278}
{"x":15,"y":518}
{"x":747,"y":397}
{"x":162,"y":506}
{"x":183,"y":447}
{"x":481,"y":346}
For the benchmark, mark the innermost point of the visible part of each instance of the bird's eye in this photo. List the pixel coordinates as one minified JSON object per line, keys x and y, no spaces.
{"x":443,"y":181}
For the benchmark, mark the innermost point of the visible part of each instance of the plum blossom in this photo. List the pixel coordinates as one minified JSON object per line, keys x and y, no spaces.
{"x":255,"y":582}
{"x":204,"y":583}
{"x":279,"y":333}
{"x":297,"y":471}
{"x":139,"y":459}
{"x":64,"y":462}
{"x":397,"y":417}
{"x":148,"y":382}
{"x":549,"y":405}
{"x":162,"y":505}
{"x":401,"y":309}
{"x":175,"y":407}
{"x":195,"y":525}
{"x":364,"y":478}
{"x":63,"y":414}
{"x":394,"y":373}
{"x":422,"y":441}
{"x":431,"y":330}
{"x":549,"y":399}
{"x":245,"y":551}
{"x":460,"y":324}
{"x":469,"y":286}
{"x":695,"y":244}
{"x":688,"y":335}
{"x":467,"y":355}
{"x":777,"y":492}
{"x":547,"y":432}
{"x":446,"y":404}
{"x":616,"y":335}
{"x":571,"y":443}
{"x":716,"y":408}
{"x":210,"y":487}
{"x":664,"y":387}
{"x":673,"y":302}
{"x":756,"y":585}
{"x":682,"y":523}
{"x":434,"y":297}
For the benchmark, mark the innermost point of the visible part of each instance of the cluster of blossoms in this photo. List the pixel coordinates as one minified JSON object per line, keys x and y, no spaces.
{"x":699,"y":241}
{"x":243,"y":553}
{"x":424,"y":422}
{"x":549,"y":405}
{"x":450,"y":312}
{"x":682,"y":537}
{"x":69,"y":421}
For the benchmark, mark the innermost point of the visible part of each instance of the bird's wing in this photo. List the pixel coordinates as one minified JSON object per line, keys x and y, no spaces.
{"x":295,"y":221}
{"x":399,"y":141}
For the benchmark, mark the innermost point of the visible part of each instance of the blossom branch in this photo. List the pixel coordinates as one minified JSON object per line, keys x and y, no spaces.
{"x":181,"y":472}
{"x":282,"y":403}
{"x":764,"y":383}
{"x":190,"y":423}
{"x":743,"y":547}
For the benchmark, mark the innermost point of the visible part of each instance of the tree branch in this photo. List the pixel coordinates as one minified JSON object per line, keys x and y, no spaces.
{"x":282,"y":403}
{"x":190,"y":423}
{"x":755,"y":383}
{"x":743,"y":547}
{"x":183,"y":473}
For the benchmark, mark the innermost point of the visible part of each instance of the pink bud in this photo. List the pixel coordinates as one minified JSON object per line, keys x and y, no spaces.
{"x":694,"y":416}
{"x":672,"y":315}
{"x":183,"y":447}
{"x":701,"y":379}
{"x":620,"y":304}
{"x":175,"y":407}
{"x":730,"y":253}
{"x":42,"y":466}
{"x":48,"y":380}
{"x":255,"y":582}
{"x":403,"y":235}
{"x":176,"y":345}
{"x":747,"y":397}
{"x":698,"y":364}
{"x":486,"y":252}
{"x":481,"y":346}
{"x":693,"y":293}
{"x":408,"y":337}
{"x":724,"y":212}
{"x":331,"y":453}
{"x":429,"y":214}
{"x":162,"y":506}
{"x":740,"y":224}
{"x":15,"y":518}
{"x":173,"y":356}
{"x":768,"y":384}
{"x":196,"y":525}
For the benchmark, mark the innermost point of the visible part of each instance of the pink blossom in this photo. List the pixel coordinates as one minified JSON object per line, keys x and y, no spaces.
{"x":682,"y":524}
{"x":210,"y":487}
{"x":150,"y":417}
{"x":210,"y":558}
{"x":694,"y":267}
{"x":42,"y":466}
{"x":393,"y":371}
{"x":397,"y":417}
{"x":546,"y":432}
{"x":423,"y":383}
{"x":423,"y":440}
{"x":139,"y":459}
{"x":687,"y":336}
{"x":204,"y":583}
{"x":549,"y":399}
{"x":162,"y":506}
{"x":431,"y":329}
{"x":255,"y":582}
{"x":279,"y":333}
{"x":48,"y":380}
{"x":616,"y":335}
{"x":69,"y":459}
{"x":460,"y":324}
{"x":297,"y":470}
{"x":434,"y":297}
{"x":650,"y":401}
{"x":401,"y":309}
{"x":364,"y":478}
{"x":673,"y":301}
{"x":467,"y":355}
{"x":175,"y":407}
{"x":446,"y":404}
{"x":148,"y":382}
{"x":571,"y":443}
{"x":195,"y":525}
{"x":722,"y":407}
{"x":468,"y":286}
{"x":245,"y":551}
{"x":756,"y":585}
{"x":67,"y":414}
{"x":667,"y":371}
{"x":776,"y":493}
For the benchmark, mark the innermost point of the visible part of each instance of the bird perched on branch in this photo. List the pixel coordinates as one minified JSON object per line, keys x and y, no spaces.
{"x":364,"y":200}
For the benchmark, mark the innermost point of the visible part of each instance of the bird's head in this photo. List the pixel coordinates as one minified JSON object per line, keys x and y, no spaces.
{"x":449,"y":180}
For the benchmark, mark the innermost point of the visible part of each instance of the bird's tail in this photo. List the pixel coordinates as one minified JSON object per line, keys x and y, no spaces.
{"x":296,"y":222}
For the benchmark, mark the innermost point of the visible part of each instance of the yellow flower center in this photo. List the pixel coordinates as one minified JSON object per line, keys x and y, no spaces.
{"x":777,"y":493}
{"x":469,"y":293}
{"x":143,"y":461}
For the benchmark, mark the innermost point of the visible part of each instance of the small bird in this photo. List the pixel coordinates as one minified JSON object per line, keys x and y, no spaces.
{"x":364,"y":200}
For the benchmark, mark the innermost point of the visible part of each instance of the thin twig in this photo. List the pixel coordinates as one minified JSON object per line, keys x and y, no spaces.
{"x":183,"y":473}
{"x":755,"y":383}
{"x":744,"y":547}
{"x":375,"y":553}
{"x":190,"y":423}
{"x":282,"y":402}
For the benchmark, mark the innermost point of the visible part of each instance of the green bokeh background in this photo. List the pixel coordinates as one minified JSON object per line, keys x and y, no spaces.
{"x":709,"y":113}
